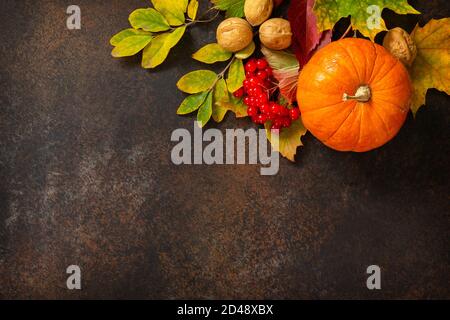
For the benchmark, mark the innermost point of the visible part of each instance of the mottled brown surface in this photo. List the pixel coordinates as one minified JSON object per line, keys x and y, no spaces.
{"x":86,"y":178}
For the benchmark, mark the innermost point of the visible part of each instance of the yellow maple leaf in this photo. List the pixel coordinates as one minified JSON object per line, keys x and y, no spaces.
{"x":431,"y":68}
{"x":289,"y":139}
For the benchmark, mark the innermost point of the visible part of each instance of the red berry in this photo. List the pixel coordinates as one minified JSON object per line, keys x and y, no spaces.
{"x":239,"y":93}
{"x":265,"y":108}
{"x":294,"y":113}
{"x":261,"y":64}
{"x":252,"y":111}
{"x":271,"y":116}
{"x":269,"y":71}
{"x":247,"y":100}
{"x":263,"y":97}
{"x":251,"y":66}
{"x":262,"y":75}
{"x":284,"y":111}
{"x":261,"y":118}
{"x":246,"y":84}
{"x":254,"y":80}
{"x":275,"y":108}
{"x":248,"y":74}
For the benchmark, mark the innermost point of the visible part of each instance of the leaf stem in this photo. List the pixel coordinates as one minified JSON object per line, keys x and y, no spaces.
{"x":346,"y":31}
{"x":222,"y":74}
{"x":203,"y":21}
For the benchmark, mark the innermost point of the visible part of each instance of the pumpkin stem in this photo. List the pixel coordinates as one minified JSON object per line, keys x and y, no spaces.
{"x":363,"y":94}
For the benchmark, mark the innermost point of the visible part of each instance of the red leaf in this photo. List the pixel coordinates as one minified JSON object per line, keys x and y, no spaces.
{"x":306,"y":38}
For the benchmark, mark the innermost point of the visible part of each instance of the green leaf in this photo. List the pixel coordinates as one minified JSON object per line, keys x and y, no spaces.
{"x":246,"y":52}
{"x":192,"y":103}
{"x":131,"y":45}
{"x":220,"y":97}
{"x":158,"y":50}
{"x":192,"y":9}
{"x":172,"y":10}
{"x":289,"y":139}
{"x":212,"y":53}
{"x":197,"y":81}
{"x":122,"y":35}
{"x":148,"y":20}
{"x":205,"y":111}
{"x":236,"y":75}
{"x":431,"y":68}
{"x":365,"y":14}
{"x":233,"y":8}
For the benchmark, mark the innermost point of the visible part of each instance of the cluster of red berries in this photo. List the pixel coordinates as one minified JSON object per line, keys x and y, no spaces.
{"x":256,"y":93}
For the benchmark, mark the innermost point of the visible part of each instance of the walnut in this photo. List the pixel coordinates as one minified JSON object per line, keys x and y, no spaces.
{"x":399,"y":43}
{"x":258,"y":11}
{"x":234,"y":34}
{"x":276,"y":34}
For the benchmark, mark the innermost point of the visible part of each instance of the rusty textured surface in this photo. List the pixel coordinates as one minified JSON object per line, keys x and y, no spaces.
{"x":86,"y":178}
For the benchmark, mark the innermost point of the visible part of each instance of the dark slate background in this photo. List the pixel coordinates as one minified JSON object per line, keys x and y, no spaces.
{"x":86,"y":178}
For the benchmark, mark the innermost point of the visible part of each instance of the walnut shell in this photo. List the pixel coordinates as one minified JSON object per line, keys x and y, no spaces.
{"x":258,"y":11}
{"x":399,"y":43}
{"x":234,"y":34}
{"x":276,"y":34}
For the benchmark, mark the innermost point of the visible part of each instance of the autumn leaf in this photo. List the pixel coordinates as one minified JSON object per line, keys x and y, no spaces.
{"x":365,"y":14}
{"x":157,"y":51}
{"x":236,"y":106}
{"x":246,"y":52}
{"x":431,"y":68}
{"x":220,"y":97}
{"x":233,"y":8}
{"x":197,"y":81}
{"x":148,"y":20}
{"x":205,"y":111}
{"x":212,"y":53}
{"x":285,"y":69}
{"x":122,"y":35}
{"x":192,"y":103}
{"x":236,"y":75}
{"x":131,"y":45}
{"x":306,"y":37}
{"x":172,"y":10}
{"x":192,"y":9}
{"x":288,"y":139}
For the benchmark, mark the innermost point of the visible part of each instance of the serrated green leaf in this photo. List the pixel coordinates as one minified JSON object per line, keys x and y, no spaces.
{"x":172,"y":10}
{"x":289,"y":139}
{"x":220,"y":96}
{"x":192,"y":103}
{"x":233,"y":8}
{"x":131,"y":45}
{"x":365,"y":14}
{"x":212,"y":53}
{"x":236,"y":75}
{"x":197,"y":81}
{"x":148,"y":20}
{"x":246,"y":52}
{"x":122,"y":35}
{"x":205,"y":111}
{"x":158,"y":50}
{"x":192,"y":9}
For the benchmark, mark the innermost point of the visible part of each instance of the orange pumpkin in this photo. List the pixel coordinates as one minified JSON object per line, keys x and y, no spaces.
{"x":354,"y":95}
